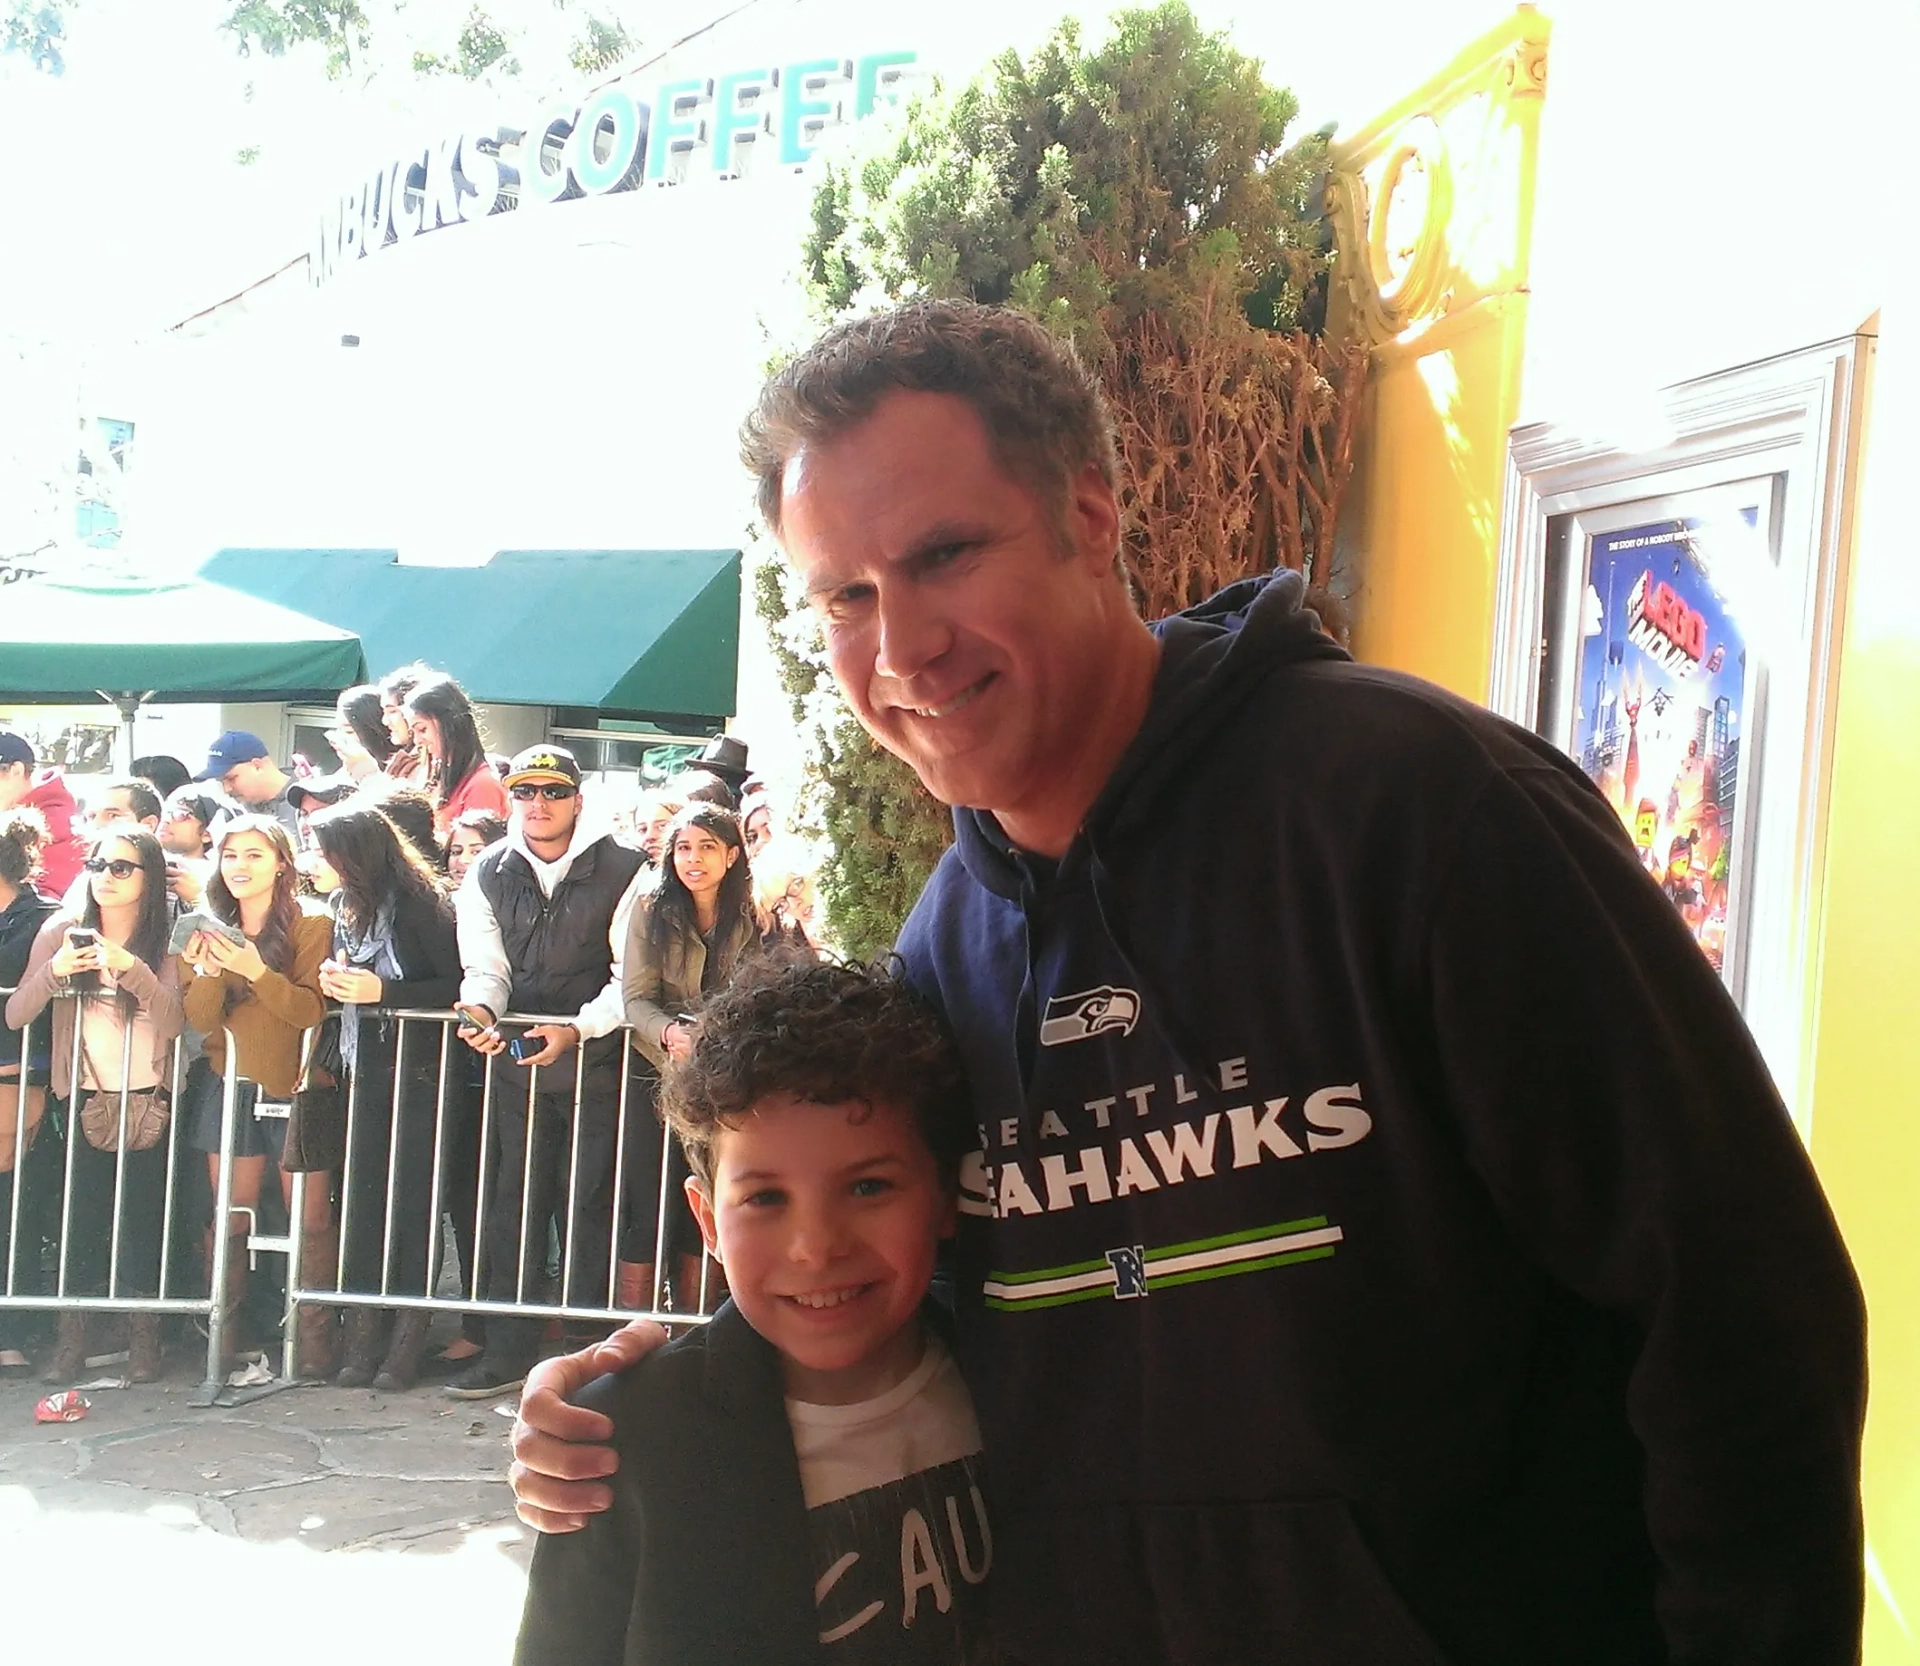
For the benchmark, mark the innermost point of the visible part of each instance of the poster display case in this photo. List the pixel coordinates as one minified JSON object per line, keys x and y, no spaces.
{"x":1668,"y":617}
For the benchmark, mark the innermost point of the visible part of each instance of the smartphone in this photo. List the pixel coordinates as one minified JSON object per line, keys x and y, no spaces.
{"x":473,"y":1017}
{"x":83,"y":937}
{"x":524,"y":1047}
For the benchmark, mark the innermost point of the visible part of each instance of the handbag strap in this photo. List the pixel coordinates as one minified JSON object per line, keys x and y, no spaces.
{"x":86,"y":1062}
{"x":79,"y":1086}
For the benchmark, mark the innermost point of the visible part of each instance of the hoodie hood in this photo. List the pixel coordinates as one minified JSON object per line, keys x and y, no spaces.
{"x":591,"y":826}
{"x":1211,"y":657}
{"x":60,"y":856}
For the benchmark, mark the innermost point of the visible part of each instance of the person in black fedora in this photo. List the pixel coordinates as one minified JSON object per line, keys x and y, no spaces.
{"x":726,"y":757}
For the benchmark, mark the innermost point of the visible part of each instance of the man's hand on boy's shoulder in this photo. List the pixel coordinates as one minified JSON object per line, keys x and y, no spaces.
{"x":562,"y":1451}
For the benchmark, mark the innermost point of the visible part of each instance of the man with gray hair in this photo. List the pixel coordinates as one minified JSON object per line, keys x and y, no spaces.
{"x":1386,"y":1243}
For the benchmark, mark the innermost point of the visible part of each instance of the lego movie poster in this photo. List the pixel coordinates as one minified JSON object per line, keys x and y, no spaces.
{"x":1659,"y":710}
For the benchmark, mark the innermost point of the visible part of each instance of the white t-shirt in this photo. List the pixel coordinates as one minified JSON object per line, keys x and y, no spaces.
{"x":897,"y":1511}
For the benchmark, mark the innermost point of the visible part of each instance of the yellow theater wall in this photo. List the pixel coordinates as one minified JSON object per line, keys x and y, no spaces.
{"x":1433,"y":206}
{"x":1865,"y":1006}
{"x":1430,"y":501}
{"x":1472,"y":328}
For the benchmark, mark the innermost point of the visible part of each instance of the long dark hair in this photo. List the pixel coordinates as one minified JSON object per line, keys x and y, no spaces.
{"x":148,"y":939}
{"x":491,"y":828}
{"x":359,"y":709}
{"x":672,"y":913}
{"x":275,"y":941}
{"x":461,"y":749}
{"x":397,"y":685}
{"x":376,"y":866}
{"x":411,"y":812}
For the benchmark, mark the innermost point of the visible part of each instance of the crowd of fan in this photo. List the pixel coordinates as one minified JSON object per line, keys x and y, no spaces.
{"x":302,"y":915}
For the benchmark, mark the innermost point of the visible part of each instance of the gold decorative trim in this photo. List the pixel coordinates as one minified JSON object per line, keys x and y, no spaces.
{"x":1432,"y":203}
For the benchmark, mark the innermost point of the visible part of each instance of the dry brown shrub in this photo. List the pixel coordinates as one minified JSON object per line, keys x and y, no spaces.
{"x":1236,"y":446}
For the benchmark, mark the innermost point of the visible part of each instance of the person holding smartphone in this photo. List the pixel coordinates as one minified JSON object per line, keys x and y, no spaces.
{"x":265,"y":988}
{"x":542,"y":920}
{"x":110,"y":953}
{"x":393,"y":946}
{"x":688,"y":937}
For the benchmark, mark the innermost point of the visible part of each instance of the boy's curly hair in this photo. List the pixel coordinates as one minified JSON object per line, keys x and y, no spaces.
{"x":822,"y":1032}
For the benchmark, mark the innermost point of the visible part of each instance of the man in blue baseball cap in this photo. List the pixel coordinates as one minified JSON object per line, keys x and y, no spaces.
{"x":245,"y":771}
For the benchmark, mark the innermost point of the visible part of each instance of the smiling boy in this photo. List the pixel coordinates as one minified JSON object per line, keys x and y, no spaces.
{"x":800,"y":1478}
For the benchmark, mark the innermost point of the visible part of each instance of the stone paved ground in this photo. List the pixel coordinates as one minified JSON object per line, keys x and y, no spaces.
{"x":314,"y":1524}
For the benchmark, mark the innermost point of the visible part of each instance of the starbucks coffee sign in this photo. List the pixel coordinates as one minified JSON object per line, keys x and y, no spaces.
{"x":675,"y":132}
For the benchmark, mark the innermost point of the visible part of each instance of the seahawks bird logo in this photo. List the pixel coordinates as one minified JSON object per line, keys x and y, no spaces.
{"x":1091,"y":1012}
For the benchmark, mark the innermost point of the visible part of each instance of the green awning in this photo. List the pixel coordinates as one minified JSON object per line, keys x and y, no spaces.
{"x":62,"y":640}
{"x":625,"y":632}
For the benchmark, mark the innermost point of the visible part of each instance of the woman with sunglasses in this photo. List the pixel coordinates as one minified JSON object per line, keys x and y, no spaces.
{"x":444,"y":730}
{"x":686,"y":941}
{"x":110,"y":953}
{"x":266,"y":990}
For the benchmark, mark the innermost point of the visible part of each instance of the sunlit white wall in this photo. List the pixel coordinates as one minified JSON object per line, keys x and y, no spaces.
{"x":1718,"y":183}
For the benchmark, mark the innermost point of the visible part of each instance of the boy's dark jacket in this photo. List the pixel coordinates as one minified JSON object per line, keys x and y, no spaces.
{"x":1395,"y":1249}
{"x":704,"y":1558}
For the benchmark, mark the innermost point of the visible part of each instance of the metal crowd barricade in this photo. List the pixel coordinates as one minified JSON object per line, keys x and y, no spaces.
{"x":38,"y":1115}
{"x":359,"y":1190}
{"x":38,"y":1276}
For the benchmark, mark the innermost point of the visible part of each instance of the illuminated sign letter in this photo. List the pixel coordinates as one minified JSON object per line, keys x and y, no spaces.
{"x":350,"y":224}
{"x":738,"y":118}
{"x":443,"y":186}
{"x":543,"y":166}
{"x":478,"y":173}
{"x":609,"y":143}
{"x":675,"y":127}
{"x":880,"y":72}
{"x":412,"y":211}
{"x":803,"y":111}
{"x":373,"y":214}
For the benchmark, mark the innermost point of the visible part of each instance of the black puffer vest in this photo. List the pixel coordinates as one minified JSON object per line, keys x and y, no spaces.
{"x":557,"y":946}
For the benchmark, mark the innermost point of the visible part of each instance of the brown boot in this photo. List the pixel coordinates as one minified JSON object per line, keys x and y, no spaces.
{"x":233,"y":1297}
{"x":362,"y":1330}
{"x":143,"y":1347}
{"x":402,"y":1367}
{"x":319,"y":1326}
{"x":70,"y":1354}
{"x":633,"y":1286}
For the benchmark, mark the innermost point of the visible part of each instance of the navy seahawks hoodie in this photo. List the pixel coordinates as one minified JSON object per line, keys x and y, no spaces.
{"x":1387,"y":1244}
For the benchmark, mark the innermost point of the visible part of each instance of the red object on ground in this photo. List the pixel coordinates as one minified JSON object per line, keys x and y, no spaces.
{"x":68,"y":1407}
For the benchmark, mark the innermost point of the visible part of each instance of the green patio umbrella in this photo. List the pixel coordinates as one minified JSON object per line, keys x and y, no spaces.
{"x":138,"y":636}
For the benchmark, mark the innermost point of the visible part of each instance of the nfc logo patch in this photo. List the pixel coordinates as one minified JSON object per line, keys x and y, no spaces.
{"x":1091,"y":1012}
{"x":1129,"y":1266}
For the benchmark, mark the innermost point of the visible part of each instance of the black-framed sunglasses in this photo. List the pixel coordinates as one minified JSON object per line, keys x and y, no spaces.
{"x":551,"y":791}
{"x":119,"y":866}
